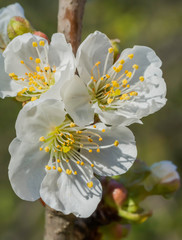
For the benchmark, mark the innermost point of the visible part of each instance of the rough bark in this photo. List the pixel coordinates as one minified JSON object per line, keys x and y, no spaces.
{"x":58,"y":226}
{"x":70,"y":20}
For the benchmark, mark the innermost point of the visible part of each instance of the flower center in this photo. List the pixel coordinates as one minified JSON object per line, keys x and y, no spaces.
{"x":111,"y":90}
{"x":64,"y":144}
{"x":35,"y":82}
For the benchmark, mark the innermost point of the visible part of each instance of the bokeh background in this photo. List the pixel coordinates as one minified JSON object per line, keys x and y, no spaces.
{"x":157,"y":24}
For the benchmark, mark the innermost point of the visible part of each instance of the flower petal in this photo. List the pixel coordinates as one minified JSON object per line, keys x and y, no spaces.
{"x":20,"y":48}
{"x":93,"y":49}
{"x":151,"y":92}
{"x":26,"y":169}
{"x":60,"y":52}
{"x":37,"y":119}
{"x":6,"y":14}
{"x":70,"y":193}
{"x":8,"y":88}
{"x":113,"y":160}
{"x":77,"y":101}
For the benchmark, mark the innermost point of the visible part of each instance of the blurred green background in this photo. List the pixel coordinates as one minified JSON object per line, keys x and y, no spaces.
{"x":157,"y":24}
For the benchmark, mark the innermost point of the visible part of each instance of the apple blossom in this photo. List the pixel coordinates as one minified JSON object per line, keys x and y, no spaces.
{"x":120,"y":93}
{"x":32,"y":65}
{"x":55,"y":159}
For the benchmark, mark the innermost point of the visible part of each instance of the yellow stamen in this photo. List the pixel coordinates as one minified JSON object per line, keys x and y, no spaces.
{"x":122,"y":61}
{"x":59,"y":169}
{"x":37,"y":60}
{"x":92,"y":165}
{"x":90,"y":184}
{"x":135,"y":66}
{"x":34,"y":44}
{"x":82,"y":163}
{"x":109,"y":100}
{"x":110,"y":50}
{"x":103,"y":130}
{"x":72,"y":124}
{"x":22,"y":62}
{"x":42,"y":43}
{"x":90,"y":150}
{"x":131,"y":56}
{"x":141,"y":78}
{"x":116,"y":143}
{"x":40,"y":148}
{"x":54,"y":167}
{"x":31,"y":58}
{"x":42,"y":139}
{"x":94,"y":126}
{"x":97,"y":63}
{"x":33,"y":99}
{"x":46,"y":149}
{"x":98,"y":150}
{"x":124,"y":81}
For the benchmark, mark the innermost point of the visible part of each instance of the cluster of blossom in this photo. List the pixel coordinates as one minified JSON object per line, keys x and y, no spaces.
{"x":74,"y":122}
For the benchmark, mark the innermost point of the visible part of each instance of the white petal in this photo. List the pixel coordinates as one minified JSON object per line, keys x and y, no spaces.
{"x":113,"y":160}
{"x":26,"y":169}
{"x":93,"y":49}
{"x":20,"y":48}
{"x":151,"y":92}
{"x":60,"y":52}
{"x":77,"y":101}
{"x":6,"y":14}
{"x":70,"y":194}
{"x":8,"y":88}
{"x":38,"y":118}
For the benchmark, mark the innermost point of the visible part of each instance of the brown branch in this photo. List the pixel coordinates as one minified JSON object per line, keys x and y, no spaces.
{"x":70,"y":20}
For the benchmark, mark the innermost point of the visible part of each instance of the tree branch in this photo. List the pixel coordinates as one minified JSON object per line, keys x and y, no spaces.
{"x":70,"y":17}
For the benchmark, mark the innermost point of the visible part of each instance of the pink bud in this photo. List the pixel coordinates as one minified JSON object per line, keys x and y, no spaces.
{"x":117,"y":191}
{"x":41,"y":34}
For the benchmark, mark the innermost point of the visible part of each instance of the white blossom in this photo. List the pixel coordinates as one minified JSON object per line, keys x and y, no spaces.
{"x":56,"y":159}
{"x":120,"y":93}
{"x":33,"y":64}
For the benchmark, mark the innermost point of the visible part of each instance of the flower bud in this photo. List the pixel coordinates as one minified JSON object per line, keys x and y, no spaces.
{"x":115,"y":45}
{"x":164,"y":179}
{"x":18,"y":26}
{"x":41,"y":34}
{"x":117,"y":192}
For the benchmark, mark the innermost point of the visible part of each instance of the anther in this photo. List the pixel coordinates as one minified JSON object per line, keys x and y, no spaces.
{"x":59,"y":169}
{"x":34,"y":44}
{"x":141,"y":78}
{"x":92,"y":165}
{"x":37,"y":60}
{"x":97,"y":63}
{"x":72,"y":124}
{"x":135,"y":66}
{"x":122,"y":61}
{"x":90,"y":150}
{"x":42,"y":139}
{"x":98,"y":150}
{"x":58,"y":160}
{"x":94,"y":126}
{"x":103,"y":130}
{"x":131,"y":56}
{"x":42,"y":43}
{"x":31,"y":58}
{"x":22,"y":62}
{"x":90,"y":184}
{"x":116,"y":143}
{"x":40,"y":148}
{"x":110,"y":50}
{"x":54,"y":167}
{"x":46,"y":149}
{"x":82,"y":163}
